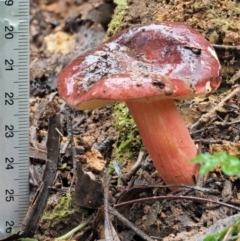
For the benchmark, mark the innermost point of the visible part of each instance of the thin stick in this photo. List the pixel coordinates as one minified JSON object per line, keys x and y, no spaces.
{"x":154,"y":198}
{"x":195,"y":187}
{"x":126,"y":222}
{"x":206,"y":117}
{"x":209,"y":141}
{"x":39,"y":201}
{"x":226,"y":47}
{"x":135,"y":167}
{"x":68,"y":111}
{"x":227,"y":123}
{"x":202,"y":130}
{"x":235,"y":77}
{"x":131,"y":172}
{"x":109,"y":231}
{"x":118,"y":171}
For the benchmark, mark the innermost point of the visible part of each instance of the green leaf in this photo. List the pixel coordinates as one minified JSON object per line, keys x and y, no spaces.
{"x":230,"y":164}
{"x":63,"y":166}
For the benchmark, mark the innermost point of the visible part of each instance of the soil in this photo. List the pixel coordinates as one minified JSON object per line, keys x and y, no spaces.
{"x":60,"y":31}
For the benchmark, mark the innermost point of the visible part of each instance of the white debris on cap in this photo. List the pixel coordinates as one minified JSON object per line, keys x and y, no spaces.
{"x":208,"y":86}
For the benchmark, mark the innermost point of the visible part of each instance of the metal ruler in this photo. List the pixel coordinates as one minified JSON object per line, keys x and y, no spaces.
{"x":14,"y":95}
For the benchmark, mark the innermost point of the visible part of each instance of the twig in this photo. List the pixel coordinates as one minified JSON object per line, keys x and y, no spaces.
{"x":63,"y":150}
{"x":39,"y":201}
{"x":107,"y":228}
{"x":226,"y":47}
{"x":131,"y":172}
{"x":124,"y":196}
{"x":206,"y":117}
{"x":135,"y":167}
{"x":79,"y":122}
{"x":109,"y":231}
{"x":37,"y":153}
{"x":209,"y":141}
{"x":227,"y":123}
{"x":42,"y":108}
{"x":126,"y":222}
{"x":224,"y":123}
{"x":154,"y":198}
{"x":235,"y":77}
{"x":199,"y":188}
{"x":68,"y":112}
{"x":201,"y":130}
{"x":118,"y":171}
{"x":196,"y":188}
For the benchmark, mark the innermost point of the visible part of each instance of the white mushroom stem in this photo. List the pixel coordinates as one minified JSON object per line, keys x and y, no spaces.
{"x":166,"y":138}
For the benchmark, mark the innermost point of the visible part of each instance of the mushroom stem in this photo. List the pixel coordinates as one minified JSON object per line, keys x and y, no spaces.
{"x":166,"y":138}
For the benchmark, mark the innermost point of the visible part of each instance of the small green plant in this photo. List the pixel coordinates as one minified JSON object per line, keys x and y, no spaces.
{"x":230,"y":233}
{"x":63,"y":166}
{"x":68,"y":235}
{"x":63,"y":209}
{"x":230,"y":165}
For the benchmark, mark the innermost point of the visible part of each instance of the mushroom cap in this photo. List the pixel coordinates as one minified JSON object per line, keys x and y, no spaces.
{"x":160,"y":60}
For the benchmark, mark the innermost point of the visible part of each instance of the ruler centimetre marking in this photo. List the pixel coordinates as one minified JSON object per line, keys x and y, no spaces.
{"x":14,"y":117}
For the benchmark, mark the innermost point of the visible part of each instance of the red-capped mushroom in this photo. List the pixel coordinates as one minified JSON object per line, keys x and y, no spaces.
{"x":148,"y":66}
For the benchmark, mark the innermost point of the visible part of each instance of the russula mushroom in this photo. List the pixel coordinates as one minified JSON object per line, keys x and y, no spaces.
{"x":148,"y":66}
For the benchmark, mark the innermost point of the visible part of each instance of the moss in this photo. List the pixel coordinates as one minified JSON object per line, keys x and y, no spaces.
{"x":119,"y":13}
{"x":63,"y":209}
{"x":129,"y":140}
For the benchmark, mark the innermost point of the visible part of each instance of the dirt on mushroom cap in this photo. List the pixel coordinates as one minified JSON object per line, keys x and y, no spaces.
{"x":169,"y":60}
